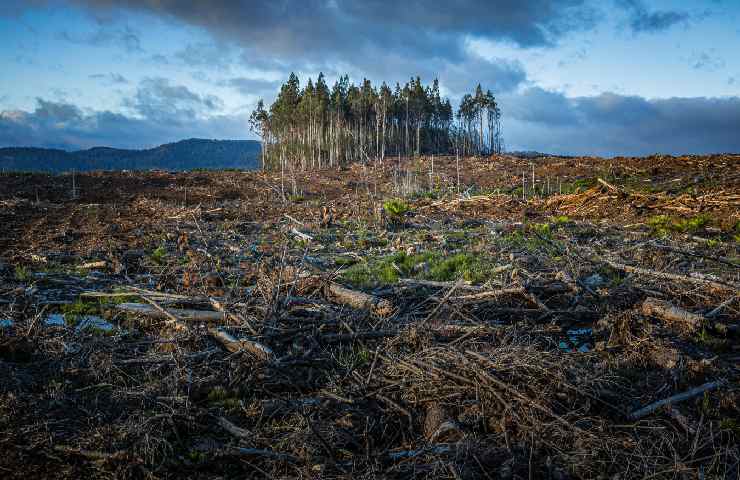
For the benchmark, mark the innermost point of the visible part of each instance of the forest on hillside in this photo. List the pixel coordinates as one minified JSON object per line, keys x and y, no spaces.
{"x":314,"y":127}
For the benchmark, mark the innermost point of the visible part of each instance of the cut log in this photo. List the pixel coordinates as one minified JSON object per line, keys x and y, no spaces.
{"x":671,"y":314}
{"x":182,"y":314}
{"x":359,"y":300}
{"x":233,"y":344}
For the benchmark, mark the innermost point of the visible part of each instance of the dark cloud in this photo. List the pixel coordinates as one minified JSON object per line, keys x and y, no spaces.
{"x":110,"y":78}
{"x":642,"y":20}
{"x":289,"y":26}
{"x":325,"y":31}
{"x":63,"y":125}
{"x":611,"y":124}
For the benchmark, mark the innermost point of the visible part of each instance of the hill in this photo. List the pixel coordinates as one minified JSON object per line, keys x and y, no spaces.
{"x":182,"y":155}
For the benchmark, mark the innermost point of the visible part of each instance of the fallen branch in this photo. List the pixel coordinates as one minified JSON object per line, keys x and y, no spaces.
{"x":233,"y":344}
{"x":671,"y":314}
{"x":359,"y":300}
{"x":234,"y":430}
{"x":348,"y":337}
{"x":694,"y":392}
{"x":670,"y":276}
{"x":258,"y":452}
{"x":301,"y":235}
{"x":155,"y":311}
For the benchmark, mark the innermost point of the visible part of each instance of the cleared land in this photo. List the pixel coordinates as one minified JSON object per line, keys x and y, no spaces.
{"x":543,"y":318}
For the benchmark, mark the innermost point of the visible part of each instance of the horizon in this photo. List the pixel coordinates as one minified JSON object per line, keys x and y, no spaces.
{"x":572,"y":77}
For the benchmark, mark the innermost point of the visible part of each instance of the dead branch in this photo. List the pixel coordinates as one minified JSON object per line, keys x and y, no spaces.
{"x":694,"y":392}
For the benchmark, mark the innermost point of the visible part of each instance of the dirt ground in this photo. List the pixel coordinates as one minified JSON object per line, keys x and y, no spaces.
{"x":424,"y":318}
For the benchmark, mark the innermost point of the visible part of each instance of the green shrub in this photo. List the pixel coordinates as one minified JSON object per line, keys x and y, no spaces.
{"x":396,"y":208}
{"x":22,"y":274}
{"x":159,"y":254}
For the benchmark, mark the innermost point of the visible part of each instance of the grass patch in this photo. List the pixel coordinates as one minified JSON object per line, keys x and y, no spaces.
{"x":424,"y":266}
{"x":662,"y":225}
{"x":73,"y":311}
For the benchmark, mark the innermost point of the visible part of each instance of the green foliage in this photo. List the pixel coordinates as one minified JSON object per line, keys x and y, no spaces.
{"x":158,"y":255}
{"x":296,"y":198}
{"x":396,"y":208}
{"x":461,"y":265}
{"x":663,"y":224}
{"x":73,"y":311}
{"x":219,"y":396}
{"x":560,"y":220}
{"x":710,"y":341}
{"x":426,"y":266}
{"x":692,"y":224}
{"x":575,"y":186}
{"x":352,"y":111}
{"x":730,"y":424}
{"x":22,"y":274}
{"x":542,"y":228}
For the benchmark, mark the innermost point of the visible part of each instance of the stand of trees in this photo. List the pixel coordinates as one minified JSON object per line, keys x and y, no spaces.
{"x":317,"y":127}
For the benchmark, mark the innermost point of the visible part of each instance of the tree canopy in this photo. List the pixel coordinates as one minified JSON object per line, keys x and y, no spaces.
{"x":317,"y":127}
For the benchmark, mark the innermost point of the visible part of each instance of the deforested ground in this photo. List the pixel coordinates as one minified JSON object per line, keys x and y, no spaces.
{"x":488,"y":318}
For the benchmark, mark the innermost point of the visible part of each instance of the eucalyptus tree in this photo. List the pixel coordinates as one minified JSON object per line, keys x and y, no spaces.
{"x":316,"y":127}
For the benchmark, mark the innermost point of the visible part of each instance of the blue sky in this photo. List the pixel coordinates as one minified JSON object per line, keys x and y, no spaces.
{"x":572,"y":76}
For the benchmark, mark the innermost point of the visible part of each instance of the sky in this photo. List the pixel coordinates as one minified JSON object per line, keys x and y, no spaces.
{"x":612,"y":77}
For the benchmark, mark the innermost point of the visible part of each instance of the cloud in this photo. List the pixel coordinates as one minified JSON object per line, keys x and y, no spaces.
{"x":160,"y":112}
{"x":611,"y":124}
{"x":107,"y":35}
{"x":110,"y":78}
{"x":315,"y":34}
{"x":212,"y":55}
{"x":706,"y":61}
{"x":289,"y":25}
{"x":252,"y":86}
{"x":641,"y":20}
{"x":158,"y":100}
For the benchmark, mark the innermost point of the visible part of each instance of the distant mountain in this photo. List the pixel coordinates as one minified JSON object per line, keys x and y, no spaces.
{"x":533,"y":154}
{"x":182,"y":155}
